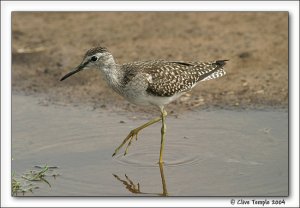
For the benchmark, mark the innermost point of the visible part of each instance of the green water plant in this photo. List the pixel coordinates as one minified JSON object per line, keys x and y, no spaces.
{"x":28,"y":181}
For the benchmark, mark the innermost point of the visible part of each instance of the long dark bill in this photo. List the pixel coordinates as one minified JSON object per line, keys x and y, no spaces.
{"x":74,"y":71}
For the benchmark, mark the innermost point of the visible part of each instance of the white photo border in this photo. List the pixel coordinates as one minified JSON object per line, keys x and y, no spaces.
{"x":8,"y":6}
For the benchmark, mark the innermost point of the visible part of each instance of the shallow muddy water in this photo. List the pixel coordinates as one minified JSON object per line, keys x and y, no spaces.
{"x":207,"y":153}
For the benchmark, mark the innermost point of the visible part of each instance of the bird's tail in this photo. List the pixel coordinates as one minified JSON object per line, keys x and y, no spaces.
{"x":221,"y":63}
{"x":218,"y":71}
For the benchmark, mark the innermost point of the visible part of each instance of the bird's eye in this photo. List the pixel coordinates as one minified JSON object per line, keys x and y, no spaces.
{"x":94,"y":58}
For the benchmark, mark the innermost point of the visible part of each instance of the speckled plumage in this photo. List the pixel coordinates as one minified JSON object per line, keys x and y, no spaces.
{"x":171,"y":77}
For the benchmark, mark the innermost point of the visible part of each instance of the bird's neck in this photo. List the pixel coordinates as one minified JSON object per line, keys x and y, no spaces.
{"x":112,"y":73}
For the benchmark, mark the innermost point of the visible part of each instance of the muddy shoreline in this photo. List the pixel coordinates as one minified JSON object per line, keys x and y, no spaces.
{"x":256,"y":43}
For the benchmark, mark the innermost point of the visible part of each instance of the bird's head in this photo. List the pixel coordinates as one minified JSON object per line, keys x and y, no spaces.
{"x":98,"y":57}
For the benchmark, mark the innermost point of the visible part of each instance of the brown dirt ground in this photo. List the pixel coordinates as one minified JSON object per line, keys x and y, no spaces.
{"x":46,"y":45}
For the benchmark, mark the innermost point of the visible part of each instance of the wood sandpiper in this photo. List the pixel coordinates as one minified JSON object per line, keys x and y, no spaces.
{"x":157,"y":83}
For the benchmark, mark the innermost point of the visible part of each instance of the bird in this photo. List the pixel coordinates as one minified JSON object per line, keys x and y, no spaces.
{"x":149,"y":83}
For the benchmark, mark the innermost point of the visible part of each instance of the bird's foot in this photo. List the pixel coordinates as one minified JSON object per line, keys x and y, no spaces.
{"x":133,"y":134}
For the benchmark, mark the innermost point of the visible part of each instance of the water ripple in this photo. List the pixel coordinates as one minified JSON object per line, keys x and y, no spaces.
{"x":178,"y":153}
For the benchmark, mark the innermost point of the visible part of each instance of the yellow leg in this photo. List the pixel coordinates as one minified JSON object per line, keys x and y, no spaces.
{"x":163,"y":181}
{"x":163,"y":134}
{"x":134,"y":133}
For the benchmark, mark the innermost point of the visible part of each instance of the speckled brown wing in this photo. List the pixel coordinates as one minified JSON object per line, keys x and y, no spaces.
{"x":170,"y":78}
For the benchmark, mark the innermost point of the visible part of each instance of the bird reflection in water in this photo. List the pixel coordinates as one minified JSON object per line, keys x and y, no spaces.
{"x":135,"y":189}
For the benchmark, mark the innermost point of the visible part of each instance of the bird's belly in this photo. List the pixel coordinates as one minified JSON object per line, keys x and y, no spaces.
{"x":161,"y":101}
{"x":137,"y":98}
